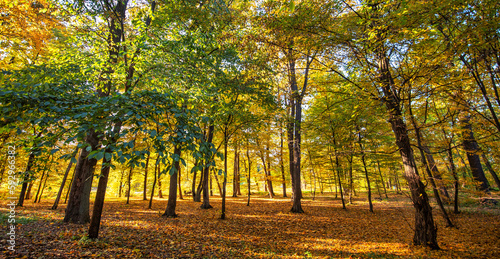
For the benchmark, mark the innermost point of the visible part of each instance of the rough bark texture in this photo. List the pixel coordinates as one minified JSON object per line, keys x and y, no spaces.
{"x":172,"y":191}
{"x":425,"y":230}
{"x":77,"y":210}
{"x":472,"y":149}
{"x":206,"y":172}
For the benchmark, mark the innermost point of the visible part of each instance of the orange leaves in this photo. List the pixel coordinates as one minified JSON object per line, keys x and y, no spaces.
{"x":25,"y":27}
{"x":265,"y":229}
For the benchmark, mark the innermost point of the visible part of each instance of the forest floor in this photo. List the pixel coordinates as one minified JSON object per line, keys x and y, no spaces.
{"x":265,"y":229}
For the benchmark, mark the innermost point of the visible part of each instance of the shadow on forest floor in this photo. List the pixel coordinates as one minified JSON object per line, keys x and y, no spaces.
{"x":265,"y":229}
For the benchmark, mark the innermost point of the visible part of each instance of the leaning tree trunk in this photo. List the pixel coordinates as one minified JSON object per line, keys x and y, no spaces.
{"x":27,"y":172}
{"x":472,"y":149}
{"x":425,"y":232}
{"x":490,"y":169}
{"x":157,"y":171}
{"x":77,"y":210}
{"x":59,"y":193}
{"x":172,"y":190}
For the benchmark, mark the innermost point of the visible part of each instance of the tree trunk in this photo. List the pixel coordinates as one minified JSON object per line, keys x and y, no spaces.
{"x":193,"y":185}
{"x":77,"y":210}
{"x":129,"y":180}
{"x":435,"y":172}
{"x":282,"y":166}
{"x":472,"y":148}
{"x":61,"y":188}
{"x":43,"y":186}
{"x":157,"y":171}
{"x":95,"y":222}
{"x":249,"y":174}
{"x":27,"y":172}
{"x":40,"y":184}
{"x":367,"y":182}
{"x":490,"y":169}
{"x":160,"y":194}
{"x":172,"y":190}
{"x":425,"y":232}
{"x":120,"y":188}
{"x":179,"y":175}
{"x":144,"y":192}
{"x":382,"y":179}
{"x":236,"y":183}
{"x":223,"y":194}
{"x":206,"y":172}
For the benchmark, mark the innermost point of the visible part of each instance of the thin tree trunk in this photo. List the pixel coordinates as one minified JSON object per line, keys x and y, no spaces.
{"x":382,"y":179}
{"x":223,"y":194}
{"x":206,"y":172}
{"x":27,"y":172}
{"x":59,"y":193}
{"x":282,"y":166}
{"x":179,"y":176}
{"x":157,"y":171}
{"x":144,"y":193}
{"x":129,"y":180}
{"x":40,"y":185}
{"x":249,"y":172}
{"x":193,"y":185}
{"x":490,"y":169}
{"x":337,"y":167}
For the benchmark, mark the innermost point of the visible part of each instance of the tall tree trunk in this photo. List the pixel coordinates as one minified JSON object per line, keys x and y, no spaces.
{"x":206,"y":172}
{"x":282,"y":165}
{"x":27,"y":172}
{"x":145,"y":185}
{"x":367,"y":182}
{"x":425,"y":231}
{"x":157,"y":171}
{"x":236,"y":182}
{"x":172,"y":193}
{"x":61,"y":188}
{"x":223,"y":194}
{"x":249,"y":174}
{"x":472,"y":148}
{"x":337,"y":168}
{"x":77,"y":210}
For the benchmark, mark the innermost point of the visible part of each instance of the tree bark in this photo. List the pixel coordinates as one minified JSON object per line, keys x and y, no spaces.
{"x":425,"y":230}
{"x":472,"y":149}
{"x":61,"y":188}
{"x":490,"y":169}
{"x":206,"y":172}
{"x":144,"y":195}
{"x":77,"y":210}
{"x":172,"y":190}
{"x":157,"y":171}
